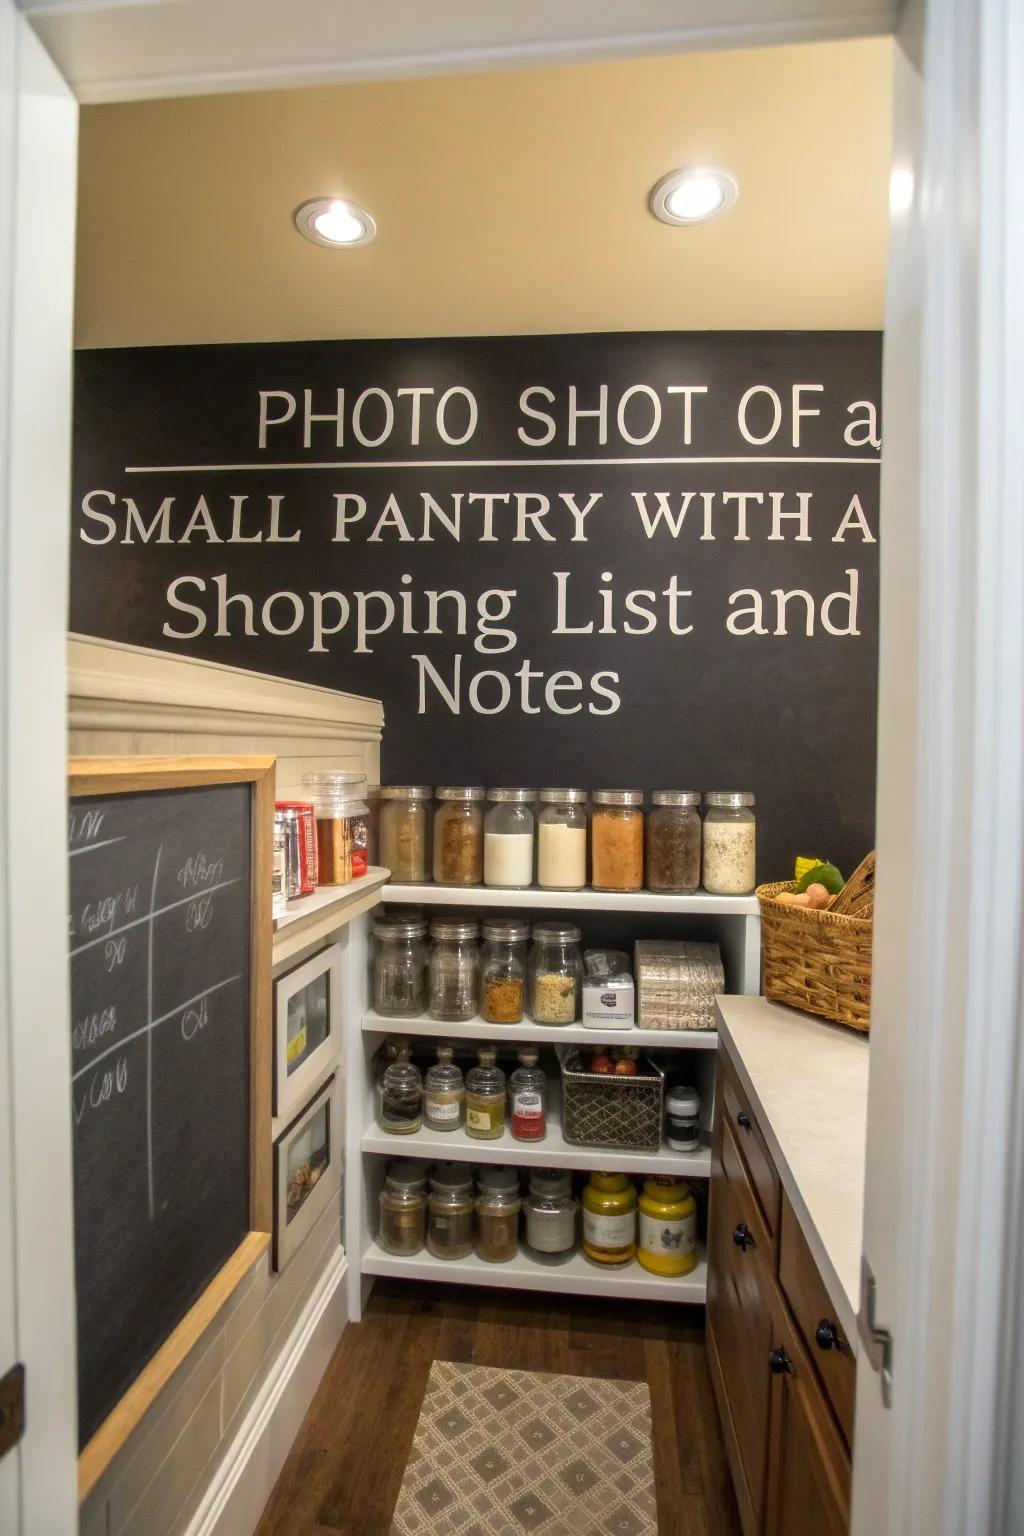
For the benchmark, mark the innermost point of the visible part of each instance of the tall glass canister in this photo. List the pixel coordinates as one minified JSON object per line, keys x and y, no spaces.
{"x":508,"y":838}
{"x":562,"y":840}
{"x":459,"y":835}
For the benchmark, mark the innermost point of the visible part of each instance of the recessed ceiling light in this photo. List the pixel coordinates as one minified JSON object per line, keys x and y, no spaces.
{"x":693,"y":196}
{"x":334,"y":221}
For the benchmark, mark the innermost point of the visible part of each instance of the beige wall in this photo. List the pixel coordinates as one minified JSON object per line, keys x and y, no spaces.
{"x":506,"y":203}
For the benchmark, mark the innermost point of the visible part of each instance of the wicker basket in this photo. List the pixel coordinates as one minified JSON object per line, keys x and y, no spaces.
{"x":817,"y":961}
{"x":599,"y":1110}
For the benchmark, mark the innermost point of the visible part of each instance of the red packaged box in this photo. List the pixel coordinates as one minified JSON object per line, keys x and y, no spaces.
{"x":308,"y":870}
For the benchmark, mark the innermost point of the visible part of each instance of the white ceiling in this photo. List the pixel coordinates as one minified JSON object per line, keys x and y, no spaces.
{"x":122,"y":50}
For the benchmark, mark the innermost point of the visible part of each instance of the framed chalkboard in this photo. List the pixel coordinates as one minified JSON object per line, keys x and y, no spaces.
{"x":169,"y":939}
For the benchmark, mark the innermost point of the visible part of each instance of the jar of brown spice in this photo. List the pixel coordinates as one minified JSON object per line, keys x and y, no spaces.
{"x":503,"y":970}
{"x":617,"y":840}
{"x":459,"y":835}
{"x":673,"y":841}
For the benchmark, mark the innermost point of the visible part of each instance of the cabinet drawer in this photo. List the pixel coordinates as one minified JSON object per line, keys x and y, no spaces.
{"x":739,"y":1117}
{"x":816,"y":1322}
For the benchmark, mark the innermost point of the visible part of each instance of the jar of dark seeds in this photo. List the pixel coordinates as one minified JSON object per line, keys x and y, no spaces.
{"x":673,"y":841}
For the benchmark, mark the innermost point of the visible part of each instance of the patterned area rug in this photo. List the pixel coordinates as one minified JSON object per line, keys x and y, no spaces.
{"x":503,"y":1453}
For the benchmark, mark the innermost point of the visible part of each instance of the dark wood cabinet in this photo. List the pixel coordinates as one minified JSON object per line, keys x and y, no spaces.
{"x":786,"y":1414}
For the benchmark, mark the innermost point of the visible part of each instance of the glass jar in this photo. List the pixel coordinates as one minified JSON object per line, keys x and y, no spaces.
{"x":503,"y":970}
{"x":729,"y":842}
{"x":485,"y":1097}
{"x":401,"y":1101}
{"x":673,"y":841}
{"x":617,"y":840}
{"x":508,"y":838}
{"x":682,"y":1119}
{"x":403,"y":831}
{"x":609,"y":1220}
{"x":562,"y":840}
{"x":497,"y":1224}
{"x":450,"y":1212}
{"x":400,"y":966}
{"x":528,"y":1098}
{"x":342,"y":835}
{"x":444,"y":1093}
{"x":454,"y":970}
{"x":550,"y":1214}
{"x":555,"y":973}
{"x":668,"y":1227}
{"x":459,"y":836}
{"x":403,"y":1209}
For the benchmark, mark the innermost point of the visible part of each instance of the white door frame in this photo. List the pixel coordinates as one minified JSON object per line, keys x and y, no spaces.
{"x":38,"y":165}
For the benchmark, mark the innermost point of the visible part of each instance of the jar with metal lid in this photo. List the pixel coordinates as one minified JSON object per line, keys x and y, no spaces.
{"x":609,"y":1220}
{"x":528,"y":1097}
{"x":454,"y":970}
{"x":485,"y":1097}
{"x":562,"y":840}
{"x":450,"y":1212}
{"x":503,"y":969}
{"x":459,"y":835}
{"x":730,"y":856}
{"x":342,"y":837}
{"x":617,"y":840}
{"x":497,"y":1224}
{"x":682,"y":1119}
{"x":400,"y":966}
{"x":667,"y":1227}
{"x":444,"y":1093}
{"x":401,"y":1100}
{"x":404,"y":831}
{"x":508,"y":838}
{"x":497,"y":1176}
{"x":673,"y":841}
{"x":555,"y":973}
{"x":403,"y":1209}
{"x":550,"y":1214}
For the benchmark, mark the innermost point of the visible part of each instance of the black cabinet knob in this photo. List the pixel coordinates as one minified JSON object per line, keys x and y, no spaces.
{"x":743,"y":1119}
{"x":826,"y":1335}
{"x":743,"y":1237}
{"x":780,"y":1363}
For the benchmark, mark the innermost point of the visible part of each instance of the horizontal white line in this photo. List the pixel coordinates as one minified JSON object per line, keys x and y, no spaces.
{"x":112,"y":933}
{"x":145,"y":1028}
{"x":195,"y":469}
{"x":88,"y":847}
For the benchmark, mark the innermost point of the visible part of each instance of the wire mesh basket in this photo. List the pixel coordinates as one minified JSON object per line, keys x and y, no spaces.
{"x":602,"y":1110}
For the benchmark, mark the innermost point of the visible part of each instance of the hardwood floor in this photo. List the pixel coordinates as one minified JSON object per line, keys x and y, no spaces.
{"x":345,"y":1469}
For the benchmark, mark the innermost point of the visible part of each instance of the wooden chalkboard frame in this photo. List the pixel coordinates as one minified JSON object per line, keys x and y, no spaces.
{"x":132,"y":775}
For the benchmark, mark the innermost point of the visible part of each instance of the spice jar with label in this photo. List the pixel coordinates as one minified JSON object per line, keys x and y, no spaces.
{"x":497,"y":1223}
{"x":673,"y":841}
{"x":503,"y":970}
{"x":609,"y":1220}
{"x":485,"y":1097}
{"x":550,"y":1215}
{"x":401,"y":1101}
{"x":403,"y":1209}
{"x":404,"y":831}
{"x":617,"y":840}
{"x":508,"y":838}
{"x":562,"y":840}
{"x":341,"y":827}
{"x":555,"y":973}
{"x":454,"y":970}
{"x":668,"y":1227}
{"x":459,"y":835}
{"x":528,"y":1098}
{"x":729,"y":842}
{"x":450,"y":1212}
{"x":682,"y":1119}
{"x":444,"y":1093}
{"x":400,"y":966}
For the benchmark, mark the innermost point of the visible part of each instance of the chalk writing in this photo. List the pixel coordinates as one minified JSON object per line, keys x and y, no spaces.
{"x":93,"y":1027}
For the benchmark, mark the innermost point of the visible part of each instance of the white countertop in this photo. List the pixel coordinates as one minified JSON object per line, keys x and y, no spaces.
{"x":807,"y":1082}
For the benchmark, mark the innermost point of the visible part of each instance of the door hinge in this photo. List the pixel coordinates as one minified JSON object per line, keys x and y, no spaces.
{"x":12,"y":1408}
{"x":877,"y":1341}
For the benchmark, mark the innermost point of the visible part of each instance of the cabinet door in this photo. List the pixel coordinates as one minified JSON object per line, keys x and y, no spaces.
{"x":809,"y":1469}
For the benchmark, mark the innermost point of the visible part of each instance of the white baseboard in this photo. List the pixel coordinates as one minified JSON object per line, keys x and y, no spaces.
{"x":249,"y":1468}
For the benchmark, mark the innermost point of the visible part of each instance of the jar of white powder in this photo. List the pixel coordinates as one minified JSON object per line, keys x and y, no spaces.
{"x":508,"y":838}
{"x":562,"y":840}
{"x":729,"y":842}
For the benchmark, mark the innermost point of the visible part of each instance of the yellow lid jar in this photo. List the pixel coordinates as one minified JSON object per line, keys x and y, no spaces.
{"x":609,"y":1219}
{"x":668,"y":1227}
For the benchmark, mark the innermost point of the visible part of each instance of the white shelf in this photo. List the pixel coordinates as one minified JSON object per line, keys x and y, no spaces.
{"x":312,"y":918}
{"x":701,"y":903}
{"x":553,"y":1152}
{"x":576,"y":1277}
{"x":548,"y":1034}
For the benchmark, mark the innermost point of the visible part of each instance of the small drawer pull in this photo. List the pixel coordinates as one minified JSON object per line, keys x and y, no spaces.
{"x":743,"y":1119}
{"x":743,"y":1237}
{"x":826,"y":1335}
{"x":780,"y":1363}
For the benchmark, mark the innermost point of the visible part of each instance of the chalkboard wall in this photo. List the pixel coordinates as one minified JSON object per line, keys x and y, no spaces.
{"x":636,"y":559}
{"x":159,"y":936}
